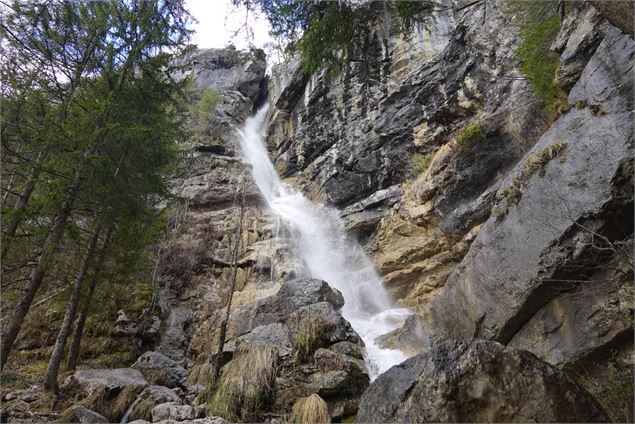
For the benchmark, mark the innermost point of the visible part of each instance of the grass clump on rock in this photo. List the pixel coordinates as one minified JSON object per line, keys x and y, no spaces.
{"x":533,"y":165}
{"x":112,"y":404}
{"x":469,"y":135}
{"x":420,"y":163}
{"x":311,"y":409}
{"x":309,"y":337}
{"x":245,"y":384}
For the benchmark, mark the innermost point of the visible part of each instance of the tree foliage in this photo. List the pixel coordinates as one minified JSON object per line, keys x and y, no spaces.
{"x":539,"y":23}
{"x":324,"y":32}
{"x":92,"y":115}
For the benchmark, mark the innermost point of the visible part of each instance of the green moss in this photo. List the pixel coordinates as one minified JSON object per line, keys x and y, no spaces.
{"x":9,"y":380}
{"x":115,"y":360}
{"x":202,"y":111}
{"x":350,"y":420}
{"x":617,"y":391}
{"x":310,"y":337}
{"x":420,"y":163}
{"x":469,"y":135}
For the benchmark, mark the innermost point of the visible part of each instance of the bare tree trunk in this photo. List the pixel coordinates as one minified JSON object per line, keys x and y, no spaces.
{"x":73,"y":353}
{"x":50,"y":380}
{"x":48,"y":250}
{"x":20,"y":204}
{"x":218,"y":362}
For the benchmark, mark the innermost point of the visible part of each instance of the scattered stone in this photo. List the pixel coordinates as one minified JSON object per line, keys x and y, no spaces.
{"x":148,"y":399}
{"x":125,"y":327}
{"x":174,"y":411}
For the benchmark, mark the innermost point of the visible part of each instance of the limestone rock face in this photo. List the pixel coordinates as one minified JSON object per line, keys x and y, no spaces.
{"x":477,"y":381}
{"x":228,"y":69}
{"x":541,"y":240}
{"x":520,"y":235}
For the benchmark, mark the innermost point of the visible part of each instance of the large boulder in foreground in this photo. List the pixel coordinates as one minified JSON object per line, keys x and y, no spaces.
{"x":477,"y":381}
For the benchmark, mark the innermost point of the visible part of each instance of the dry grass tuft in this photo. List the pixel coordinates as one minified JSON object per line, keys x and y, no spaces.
{"x":67,"y":416}
{"x":310,"y":337}
{"x":245,"y":384}
{"x":534,"y":164}
{"x":310,"y":410}
{"x":111,"y":403}
{"x":142,"y":409}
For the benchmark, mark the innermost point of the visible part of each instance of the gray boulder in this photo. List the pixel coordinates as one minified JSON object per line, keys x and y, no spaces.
{"x":148,"y":399}
{"x":161,"y":370}
{"x":174,"y":411}
{"x":80,"y":414}
{"x":291,"y":296}
{"x":275,"y":334}
{"x":477,"y":381}
{"x":111,"y":379}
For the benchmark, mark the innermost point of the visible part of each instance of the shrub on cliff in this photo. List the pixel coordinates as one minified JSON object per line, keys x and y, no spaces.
{"x":468,"y":135}
{"x":538,"y":24}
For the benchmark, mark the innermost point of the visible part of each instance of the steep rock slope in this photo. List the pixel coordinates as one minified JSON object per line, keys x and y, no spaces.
{"x":518,"y":227}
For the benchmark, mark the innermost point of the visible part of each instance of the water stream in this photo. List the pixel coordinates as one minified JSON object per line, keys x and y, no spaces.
{"x":322,"y":244}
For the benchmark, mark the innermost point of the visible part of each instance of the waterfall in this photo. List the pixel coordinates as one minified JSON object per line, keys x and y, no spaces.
{"x":322,"y":244}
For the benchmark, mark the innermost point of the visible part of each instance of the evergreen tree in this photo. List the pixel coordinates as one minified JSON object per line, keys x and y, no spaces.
{"x":106,"y":116}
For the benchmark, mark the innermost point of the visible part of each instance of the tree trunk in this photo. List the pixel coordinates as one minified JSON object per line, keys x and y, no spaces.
{"x":218,"y":361}
{"x":73,"y":353}
{"x":48,"y":250}
{"x":50,"y":380}
{"x":20,"y":204}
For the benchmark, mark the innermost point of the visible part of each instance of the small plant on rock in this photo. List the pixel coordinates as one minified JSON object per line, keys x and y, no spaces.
{"x":617,"y":391}
{"x":420,"y":163}
{"x":469,"y":135}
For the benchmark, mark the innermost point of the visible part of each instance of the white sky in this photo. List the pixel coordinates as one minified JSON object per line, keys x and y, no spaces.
{"x":218,"y":20}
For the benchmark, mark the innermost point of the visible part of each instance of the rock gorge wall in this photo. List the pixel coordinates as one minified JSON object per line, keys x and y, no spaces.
{"x":524,"y":237}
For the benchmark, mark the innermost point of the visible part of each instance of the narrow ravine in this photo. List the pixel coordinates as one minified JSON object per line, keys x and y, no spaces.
{"x":327,"y":252}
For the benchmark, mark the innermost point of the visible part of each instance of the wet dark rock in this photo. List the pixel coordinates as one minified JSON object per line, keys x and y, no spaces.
{"x":477,"y":381}
{"x":177,"y":334}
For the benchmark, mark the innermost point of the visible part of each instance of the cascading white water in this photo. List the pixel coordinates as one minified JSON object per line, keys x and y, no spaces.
{"x":329,"y":254}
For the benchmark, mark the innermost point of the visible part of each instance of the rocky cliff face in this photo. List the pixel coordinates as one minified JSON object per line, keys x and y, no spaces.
{"x":518,"y":237}
{"x":521,"y":235}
